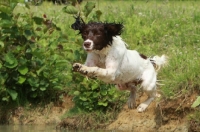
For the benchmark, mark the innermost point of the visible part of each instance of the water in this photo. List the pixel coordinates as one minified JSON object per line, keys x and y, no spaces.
{"x":30,"y":128}
{"x":37,"y":128}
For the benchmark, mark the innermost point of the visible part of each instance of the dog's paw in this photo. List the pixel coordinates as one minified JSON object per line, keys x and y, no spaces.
{"x":77,"y":67}
{"x":142,"y":107}
{"x":80,"y":68}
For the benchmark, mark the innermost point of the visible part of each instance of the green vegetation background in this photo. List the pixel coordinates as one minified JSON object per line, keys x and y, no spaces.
{"x":38,"y":48}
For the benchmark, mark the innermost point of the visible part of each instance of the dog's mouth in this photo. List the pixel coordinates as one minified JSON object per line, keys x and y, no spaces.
{"x":87,"y":49}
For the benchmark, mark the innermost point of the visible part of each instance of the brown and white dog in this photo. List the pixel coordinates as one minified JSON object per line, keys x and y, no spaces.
{"x":109,"y":60}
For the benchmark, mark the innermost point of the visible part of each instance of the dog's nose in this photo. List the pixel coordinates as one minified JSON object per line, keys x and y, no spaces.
{"x":87,"y":44}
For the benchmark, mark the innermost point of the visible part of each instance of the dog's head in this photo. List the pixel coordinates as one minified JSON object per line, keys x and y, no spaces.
{"x":97,"y":35}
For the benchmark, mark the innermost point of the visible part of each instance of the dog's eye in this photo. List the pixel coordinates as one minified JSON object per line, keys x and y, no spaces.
{"x":98,"y":33}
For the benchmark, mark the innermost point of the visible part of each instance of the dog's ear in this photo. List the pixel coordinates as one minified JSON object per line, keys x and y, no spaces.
{"x":113,"y":28}
{"x":78,"y":24}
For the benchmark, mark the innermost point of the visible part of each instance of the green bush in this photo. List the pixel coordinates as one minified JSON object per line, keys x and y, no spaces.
{"x":31,"y":63}
{"x":36,"y":60}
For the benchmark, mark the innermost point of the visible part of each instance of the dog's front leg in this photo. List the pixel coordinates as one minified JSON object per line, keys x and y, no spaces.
{"x":85,"y":70}
{"x":107,"y":75}
{"x":88,"y":71}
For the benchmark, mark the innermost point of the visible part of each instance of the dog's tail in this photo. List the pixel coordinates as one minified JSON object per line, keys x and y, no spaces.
{"x":158,"y":61}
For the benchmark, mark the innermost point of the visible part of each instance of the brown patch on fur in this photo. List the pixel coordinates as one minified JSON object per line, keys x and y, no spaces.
{"x":154,"y":65}
{"x":137,"y":82}
{"x":143,"y":56}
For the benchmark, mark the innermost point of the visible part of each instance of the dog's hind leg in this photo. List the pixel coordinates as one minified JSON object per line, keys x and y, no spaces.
{"x":149,"y":87}
{"x":151,"y":93}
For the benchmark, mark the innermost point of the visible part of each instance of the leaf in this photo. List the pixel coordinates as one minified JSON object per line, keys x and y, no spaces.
{"x":11,"y":61}
{"x":38,"y":20}
{"x":12,"y":93}
{"x":28,"y":32}
{"x":104,"y":92}
{"x":95,"y":86}
{"x":70,"y":9}
{"x":38,"y":53}
{"x":61,"y":62}
{"x":58,"y":87}
{"x":6,"y":23}
{"x":23,"y":70}
{"x":5,"y":99}
{"x":27,"y":5}
{"x":98,"y":14}
{"x":83,"y":98}
{"x":33,"y":82}
{"x":34,"y":95}
{"x":88,"y":8}
{"x":21,"y":79}
{"x":40,"y":70}
{"x":9,"y":57}
{"x":43,"y":82}
{"x":111,"y":91}
{"x":1,"y":44}
{"x":5,"y":9}
{"x":95,"y":95}
{"x":76,"y":93}
{"x":14,"y":4}
{"x":42,"y":88}
{"x":196,"y":102}
{"x":3,"y":78}
{"x":103,"y":103}
{"x":33,"y":88}
{"x":4,"y":16}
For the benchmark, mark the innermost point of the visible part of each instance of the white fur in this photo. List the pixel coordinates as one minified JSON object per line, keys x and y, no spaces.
{"x":91,"y":45}
{"x":117,"y":65}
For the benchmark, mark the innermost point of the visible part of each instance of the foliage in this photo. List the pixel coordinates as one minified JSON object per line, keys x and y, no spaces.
{"x":31,"y":63}
{"x":36,"y":59}
{"x":152,"y":28}
{"x":196,"y":102}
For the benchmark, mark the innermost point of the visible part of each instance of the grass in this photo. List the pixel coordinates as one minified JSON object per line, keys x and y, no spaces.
{"x":170,"y":28}
{"x":152,"y":28}
{"x":155,"y":28}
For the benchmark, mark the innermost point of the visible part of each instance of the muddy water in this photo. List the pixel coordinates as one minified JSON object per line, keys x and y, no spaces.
{"x":36,"y":128}
{"x":29,"y":128}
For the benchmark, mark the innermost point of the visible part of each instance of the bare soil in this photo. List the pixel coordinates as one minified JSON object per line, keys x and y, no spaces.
{"x":163,"y":116}
{"x":50,"y":114}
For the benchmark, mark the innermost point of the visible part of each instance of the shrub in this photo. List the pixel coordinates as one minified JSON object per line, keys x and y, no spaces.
{"x":31,"y":63}
{"x":36,"y":61}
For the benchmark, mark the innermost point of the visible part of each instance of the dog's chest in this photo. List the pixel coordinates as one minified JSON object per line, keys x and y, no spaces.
{"x":101,"y":60}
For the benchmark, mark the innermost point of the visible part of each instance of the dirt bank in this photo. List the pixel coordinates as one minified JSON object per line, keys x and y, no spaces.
{"x":163,"y":116}
{"x":49,"y":114}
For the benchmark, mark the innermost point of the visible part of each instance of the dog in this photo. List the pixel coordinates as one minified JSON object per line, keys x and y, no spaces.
{"x":109,"y":60}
